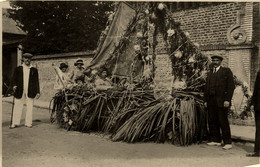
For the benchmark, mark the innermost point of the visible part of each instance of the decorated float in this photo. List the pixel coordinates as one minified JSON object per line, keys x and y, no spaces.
{"x":135,"y":108}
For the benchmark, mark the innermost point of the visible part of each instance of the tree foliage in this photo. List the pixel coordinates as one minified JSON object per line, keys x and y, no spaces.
{"x":60,"y":26}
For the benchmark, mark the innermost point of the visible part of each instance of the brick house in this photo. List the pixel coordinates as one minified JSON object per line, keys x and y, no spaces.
{"x":11,"y":54}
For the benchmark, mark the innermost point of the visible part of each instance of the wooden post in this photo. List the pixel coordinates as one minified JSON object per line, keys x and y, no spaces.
{"x":19,"y":55}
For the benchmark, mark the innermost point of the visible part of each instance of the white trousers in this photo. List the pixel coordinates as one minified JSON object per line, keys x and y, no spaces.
{"x":18,"y":108}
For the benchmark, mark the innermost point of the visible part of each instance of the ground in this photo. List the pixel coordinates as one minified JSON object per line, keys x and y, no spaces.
{"x":46,"y":145}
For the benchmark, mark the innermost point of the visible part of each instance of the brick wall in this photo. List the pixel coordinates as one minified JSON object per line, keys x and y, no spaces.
{"x":45,"y":65}
{"x":256,"y":40}
{"x":208,"y":25}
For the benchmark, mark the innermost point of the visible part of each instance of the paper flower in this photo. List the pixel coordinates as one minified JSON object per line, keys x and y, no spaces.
{"x":150,"y":56}
{"x":245,"y":84}
{"x":187,"y":34}
{"x":139,"y":35}
{"x":161,"y":6}
{"x":197,"y":44}
{"x":170,"y":32}
{"x":137,"y":47}
{"x":191,"y":59}
{"x":110,"y":17}
{"x":146,"y":11}
{"x":250,"y":93}
{"x":107,"y":28}
{"x":94,"y":72}
{"x":65,"y":117}
{"x":151,"y":25}
{"x":147,"y":73}
{"x":154,"y":16}
{"x":130,"y":86}
{"x":177,"y":84}
{"x":204,"y":74}
{"x":178,"y":54}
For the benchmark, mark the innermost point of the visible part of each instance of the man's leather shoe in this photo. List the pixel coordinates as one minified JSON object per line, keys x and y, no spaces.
{"x":227,"y":147}
{"x":254,"y":154}
{"x":28,"y":126}
{"x":13,"y":126}
{"x":214,"y":144}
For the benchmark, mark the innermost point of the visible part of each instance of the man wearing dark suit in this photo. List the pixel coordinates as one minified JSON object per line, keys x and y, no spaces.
{"x":256,"y":107}
{"x":219,"y":90}
{"x":26,"y":87}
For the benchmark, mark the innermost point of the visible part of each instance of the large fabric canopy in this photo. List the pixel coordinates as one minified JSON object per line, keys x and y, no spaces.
{"x":118,"y":27}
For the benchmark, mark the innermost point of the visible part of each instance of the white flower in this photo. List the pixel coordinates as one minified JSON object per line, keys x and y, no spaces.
{"x":177,"y":84}
{"x":204,"y":74}
{"x":146,"y":11}
{"x":191,"y":59}
{"x":197,"y":44}
{"x":139,"y":35}
{"x":170,"y":32}
{"x":110,"y":17}
{"x":178,"y":54}
{"x":94,"y":72}
{"x":187,"y":34}
{"x":107,"y":28}
{"x":137,"y":47}
{"x":154,"y":16}
{"x":151,"y":25}
{"x":70,"y":122}
{"x":130,"y":86}
{"x":250,"y":93}
{"x":150,"y":56}
{"x":65,"y":117}
{"x":245,"y":84}
{"x":147,"y":73}
{"x":161,"y":6}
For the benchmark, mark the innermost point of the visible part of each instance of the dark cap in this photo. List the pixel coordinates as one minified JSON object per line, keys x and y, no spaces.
{"x":217,"y":57}
{"x":79,"y":62}
{"x":27,"y":55}
{"x":63,"y":65}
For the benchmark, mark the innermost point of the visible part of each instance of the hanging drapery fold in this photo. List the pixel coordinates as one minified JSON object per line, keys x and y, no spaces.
{"x":117,"y":29}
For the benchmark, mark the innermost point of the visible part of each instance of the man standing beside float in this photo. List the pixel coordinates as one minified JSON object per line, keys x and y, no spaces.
{"x":26,"y":87}
{"x":219,"y":90}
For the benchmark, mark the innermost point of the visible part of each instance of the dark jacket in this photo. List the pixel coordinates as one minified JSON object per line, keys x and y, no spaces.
{"x":224,"y":86}
{"x":33,"y":87}
{"x":256,"y":93}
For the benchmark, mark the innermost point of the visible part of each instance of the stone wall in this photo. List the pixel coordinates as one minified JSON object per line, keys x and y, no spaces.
{"x":45,"y":65}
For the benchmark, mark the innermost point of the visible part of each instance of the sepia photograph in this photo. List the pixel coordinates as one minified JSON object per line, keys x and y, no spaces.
{"x":130,"y":83}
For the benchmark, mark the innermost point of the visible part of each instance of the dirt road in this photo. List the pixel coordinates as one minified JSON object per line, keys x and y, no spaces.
{"x":45,"y":145}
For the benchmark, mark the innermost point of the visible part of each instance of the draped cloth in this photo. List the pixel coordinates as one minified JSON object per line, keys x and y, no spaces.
{"x":118,"y":27}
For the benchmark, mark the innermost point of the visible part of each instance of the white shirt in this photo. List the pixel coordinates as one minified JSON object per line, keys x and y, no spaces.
{"x":217,"y":68}
{"x":26,"y":72}
{"x":62,"y":77}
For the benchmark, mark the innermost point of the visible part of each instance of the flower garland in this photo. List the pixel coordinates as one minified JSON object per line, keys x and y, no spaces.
{"x":246,"y":93}
{"x":245,"y":87}
{"x":188,"y":64}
